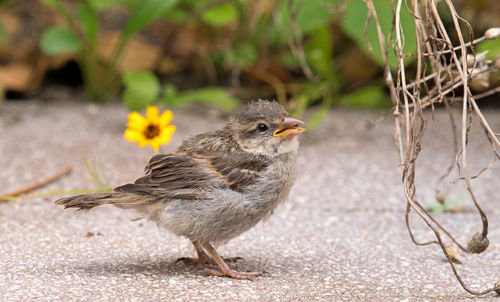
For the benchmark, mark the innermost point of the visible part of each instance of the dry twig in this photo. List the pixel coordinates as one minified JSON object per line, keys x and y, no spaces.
{"x":411,"y":98}
{"x":37,"y":185}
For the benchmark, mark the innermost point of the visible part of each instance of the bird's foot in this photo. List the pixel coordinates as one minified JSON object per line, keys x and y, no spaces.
{"x":233,"y":274}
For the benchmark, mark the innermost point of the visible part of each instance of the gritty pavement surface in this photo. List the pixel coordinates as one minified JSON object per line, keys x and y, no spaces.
{"x":340,"y":237}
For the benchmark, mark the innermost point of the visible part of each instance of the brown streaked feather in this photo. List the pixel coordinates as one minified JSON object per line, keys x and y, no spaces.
{"x":189,"y":174}
{"x":236,"y":167}
{"x":173,"y":176}
{"x":88,"y":201}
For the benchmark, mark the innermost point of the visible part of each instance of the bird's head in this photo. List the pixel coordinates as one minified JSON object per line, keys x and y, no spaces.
{"x":264,"y":127}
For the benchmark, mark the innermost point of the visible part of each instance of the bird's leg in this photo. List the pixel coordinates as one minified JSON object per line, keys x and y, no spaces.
{"x":203,"y":258}
{"x":225,"y":271}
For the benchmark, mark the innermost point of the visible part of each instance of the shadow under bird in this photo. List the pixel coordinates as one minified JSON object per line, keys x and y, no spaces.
{"x":217,"y":185}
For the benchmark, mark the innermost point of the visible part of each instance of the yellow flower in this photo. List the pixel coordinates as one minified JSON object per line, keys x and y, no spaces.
{"x":154,"y":130}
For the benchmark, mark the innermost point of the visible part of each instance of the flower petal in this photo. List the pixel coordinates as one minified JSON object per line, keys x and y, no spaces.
{"x":133,"y":135}
{"x":155,"y":144}
{"x":166,"y":134}
{"x":136,"y":117}
{"x":135,"y":125}
{"x":143,"y":143}
{"x":136,"y":121}
{"x":169,"y":130}
{"x":152,"y":114}
{"x":166,"y":118}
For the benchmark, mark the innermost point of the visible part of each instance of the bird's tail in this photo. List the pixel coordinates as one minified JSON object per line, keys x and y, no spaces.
{"x":122,"y":200}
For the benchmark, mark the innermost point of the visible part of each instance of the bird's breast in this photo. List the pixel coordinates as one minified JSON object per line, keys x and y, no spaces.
{"x":275,"y":183}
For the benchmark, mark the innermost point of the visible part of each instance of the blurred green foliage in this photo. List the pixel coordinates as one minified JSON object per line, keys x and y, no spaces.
{"x":4,"y":36}
{"x":80,"y":35}
{"x":57,"y":40}
{"x":143,"y":89}
{"x":367,"y":97}
{"x":220,"y":15}
{"x":240,"y":39}
{"x":306,"y":24}
{"x":355,"y":14}
{"x":450,"y":204}
{"x":491,"y":46}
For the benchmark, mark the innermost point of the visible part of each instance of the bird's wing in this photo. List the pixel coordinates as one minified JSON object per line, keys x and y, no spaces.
{"x":203,"y":163}
{"x":225,"y":158}
{"x":237,"y":172}
{"x":175,"y":176}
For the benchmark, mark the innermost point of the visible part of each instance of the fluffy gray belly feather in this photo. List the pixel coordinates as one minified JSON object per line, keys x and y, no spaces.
{"x":226,"y":214}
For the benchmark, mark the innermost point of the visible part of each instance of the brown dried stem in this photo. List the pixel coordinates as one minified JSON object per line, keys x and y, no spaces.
{"x":410,"y":99}
{"x":36,"y":185}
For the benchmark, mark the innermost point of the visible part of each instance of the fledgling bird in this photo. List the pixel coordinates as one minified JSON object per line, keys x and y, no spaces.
{"x":217,"y":185}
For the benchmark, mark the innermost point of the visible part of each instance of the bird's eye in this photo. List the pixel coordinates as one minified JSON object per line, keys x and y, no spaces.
{"x":262,"y":127}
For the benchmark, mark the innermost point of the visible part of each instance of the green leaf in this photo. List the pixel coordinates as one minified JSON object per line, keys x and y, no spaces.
{"x":57,"y":40}
{"x":492,"y":46}
{"x":313,"y":14}
{"x":319,"y":51}
{"x":4,"y":35}
{"x":317,"y":117}
{"x":102,"y":4}
{"x":289,"y":60}
{"x":177,"y":15}
{"x":141,"y":89}
{"x":450,"y":204}
{"x":369,"y":97}
{"x":215,"y":96}
{"x":242,"y":55}
{"x":169,"y":93}
{"x":436,"y":207}
{"x":146,"y":11}
{"x":310,"y":15}
{"x":1,"y":93}
{"x":354,"y":21}
{"x":280,"y":29}
{"x":52,"y":3}
{"x":311,"y":93}
{"x":89,"y":21}
{"x":128,"y":3}
{"x":220,"y":15}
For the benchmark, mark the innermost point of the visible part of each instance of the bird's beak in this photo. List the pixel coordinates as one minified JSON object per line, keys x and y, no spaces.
{"x":289,"y":127}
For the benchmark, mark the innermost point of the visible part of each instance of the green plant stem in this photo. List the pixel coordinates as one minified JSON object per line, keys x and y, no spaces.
{"x":109,"y":76}
{"x":86,"y":71}
{"x":118,"y":50}
{"x":68,"y":19}
{"x":89,"y":63}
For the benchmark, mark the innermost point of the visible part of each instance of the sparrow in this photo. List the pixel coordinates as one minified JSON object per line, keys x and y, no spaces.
{"x":217,"y":185}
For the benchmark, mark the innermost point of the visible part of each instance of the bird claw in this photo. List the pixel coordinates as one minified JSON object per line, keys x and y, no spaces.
{"x":233,"y":274}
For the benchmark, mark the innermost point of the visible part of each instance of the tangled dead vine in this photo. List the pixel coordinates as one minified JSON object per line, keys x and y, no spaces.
{"x":441,"y":68}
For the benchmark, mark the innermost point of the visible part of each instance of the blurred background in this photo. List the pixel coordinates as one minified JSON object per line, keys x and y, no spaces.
{"x":174,"y":52}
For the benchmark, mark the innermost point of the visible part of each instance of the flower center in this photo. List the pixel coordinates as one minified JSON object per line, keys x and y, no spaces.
{"x":151,"y":131}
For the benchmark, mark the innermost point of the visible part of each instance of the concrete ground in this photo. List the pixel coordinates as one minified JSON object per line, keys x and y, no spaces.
{"x":340,"y":237}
